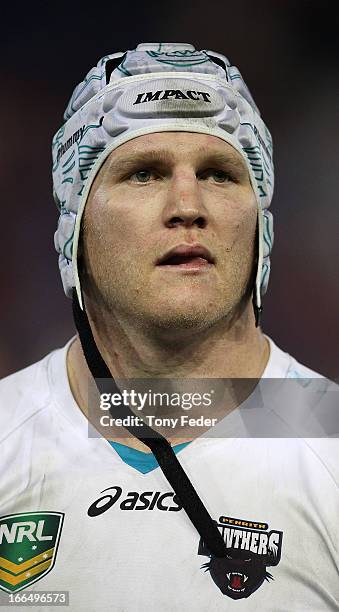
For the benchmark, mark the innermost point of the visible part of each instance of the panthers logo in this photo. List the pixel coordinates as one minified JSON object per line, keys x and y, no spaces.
{"x":249,"y":552}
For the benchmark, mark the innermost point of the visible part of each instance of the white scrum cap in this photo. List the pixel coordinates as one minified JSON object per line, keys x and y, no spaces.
{"x":156,"y":87}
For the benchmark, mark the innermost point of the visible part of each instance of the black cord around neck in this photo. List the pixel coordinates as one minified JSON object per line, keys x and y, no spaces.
{"x":160,"y":447}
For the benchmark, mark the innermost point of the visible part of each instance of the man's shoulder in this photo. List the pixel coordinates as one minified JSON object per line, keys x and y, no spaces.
{"x":23,"y":380}
{"x":326,"y":451}
{"x":306,"y":404}
{"x":23,"y":394}
{"x":298,"y":370}
{"x":321,"y":395}
{"x":282,"y":364}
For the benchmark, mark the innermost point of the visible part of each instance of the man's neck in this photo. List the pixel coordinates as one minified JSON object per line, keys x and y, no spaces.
{"x":241,"y":351}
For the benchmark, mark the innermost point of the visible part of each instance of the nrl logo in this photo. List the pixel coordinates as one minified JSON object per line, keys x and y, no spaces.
{"x":28,"y":547}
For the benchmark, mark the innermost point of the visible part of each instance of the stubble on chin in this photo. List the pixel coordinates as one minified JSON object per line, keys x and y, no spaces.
{"x":123,"y":293}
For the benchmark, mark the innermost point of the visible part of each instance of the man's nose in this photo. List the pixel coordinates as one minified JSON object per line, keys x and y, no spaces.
{"x":184,"y":204}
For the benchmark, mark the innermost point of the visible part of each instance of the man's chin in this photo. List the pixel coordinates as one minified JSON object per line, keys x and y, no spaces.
{"x":187,"y":320}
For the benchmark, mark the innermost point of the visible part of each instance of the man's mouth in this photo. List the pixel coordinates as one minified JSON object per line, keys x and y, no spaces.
{"x":186,"y":262}
{"x":186,"y":257}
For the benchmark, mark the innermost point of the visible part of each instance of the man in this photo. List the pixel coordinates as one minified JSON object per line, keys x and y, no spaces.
{"x":163,"y":177}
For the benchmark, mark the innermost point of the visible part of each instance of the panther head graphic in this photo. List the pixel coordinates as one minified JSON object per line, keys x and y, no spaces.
{"x":239,"y":574}
{"x":243,"y":570}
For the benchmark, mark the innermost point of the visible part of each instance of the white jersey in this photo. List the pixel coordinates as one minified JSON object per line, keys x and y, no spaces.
{"x":75,"y":516}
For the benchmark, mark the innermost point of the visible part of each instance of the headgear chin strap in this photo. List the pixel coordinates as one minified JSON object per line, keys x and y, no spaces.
{"x":156,"y":87}
{"x":160,"y":447}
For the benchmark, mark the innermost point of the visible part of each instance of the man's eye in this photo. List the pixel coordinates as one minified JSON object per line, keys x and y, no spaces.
{"x":142,"y":176}
{"x":219,"y":176}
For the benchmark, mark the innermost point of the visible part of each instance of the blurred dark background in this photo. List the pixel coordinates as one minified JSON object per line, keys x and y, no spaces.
{"x":288,"y":53}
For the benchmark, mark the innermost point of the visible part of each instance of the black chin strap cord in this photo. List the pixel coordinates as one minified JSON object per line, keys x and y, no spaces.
{"x":160,"y":447}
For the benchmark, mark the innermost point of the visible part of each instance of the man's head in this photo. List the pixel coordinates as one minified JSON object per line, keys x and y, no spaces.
{"x":161,"y":191}
{"x":162,"y":93}
{"x":165,"y":191}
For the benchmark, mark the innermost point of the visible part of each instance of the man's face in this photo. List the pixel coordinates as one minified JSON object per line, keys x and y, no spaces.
{"x":153,"y":194}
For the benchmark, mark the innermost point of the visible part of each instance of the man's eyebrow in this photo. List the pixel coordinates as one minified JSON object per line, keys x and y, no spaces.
{"x":224,"y":159}
{"x":125,"y":164}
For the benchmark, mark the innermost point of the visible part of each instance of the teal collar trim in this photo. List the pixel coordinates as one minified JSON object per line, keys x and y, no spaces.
{"x":143,"y":462}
